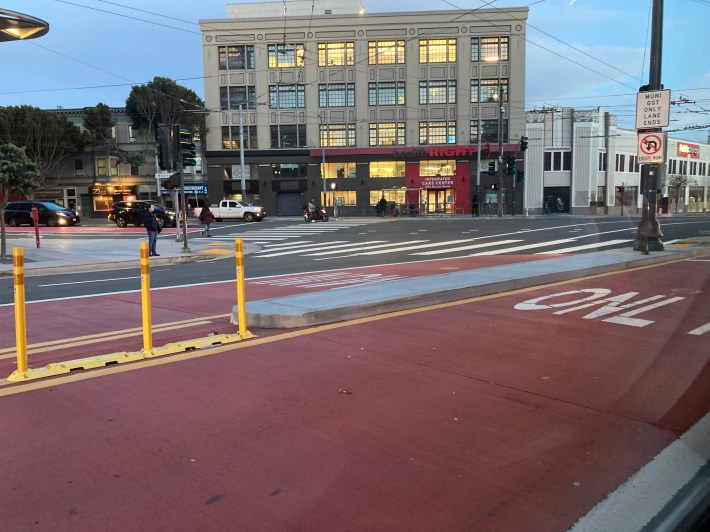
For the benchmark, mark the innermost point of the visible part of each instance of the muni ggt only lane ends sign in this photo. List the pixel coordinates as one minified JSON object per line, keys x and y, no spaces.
{"x":653,"y":109}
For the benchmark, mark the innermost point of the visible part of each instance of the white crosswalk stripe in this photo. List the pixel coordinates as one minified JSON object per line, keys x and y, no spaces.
{"x":582,"y":247}
{"x":325,"y":247}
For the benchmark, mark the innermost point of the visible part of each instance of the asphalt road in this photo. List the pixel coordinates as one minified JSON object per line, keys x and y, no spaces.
{"x":280,"y":247}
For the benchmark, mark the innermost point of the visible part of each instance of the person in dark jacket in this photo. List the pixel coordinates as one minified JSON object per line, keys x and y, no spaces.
{"x":151,"y":225}
{"x":206,"y":218}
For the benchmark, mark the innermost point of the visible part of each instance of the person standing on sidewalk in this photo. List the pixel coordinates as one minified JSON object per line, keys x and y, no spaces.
{"x":206,"y":218}
{"x":153,"y":227}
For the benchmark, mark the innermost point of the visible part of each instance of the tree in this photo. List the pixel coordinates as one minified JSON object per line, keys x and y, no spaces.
{"x":162,"y":101}
{"x":17,"y":174}
{"x":677,"y":184}
{"x":99,"y":125}
{"x":46,"y":136}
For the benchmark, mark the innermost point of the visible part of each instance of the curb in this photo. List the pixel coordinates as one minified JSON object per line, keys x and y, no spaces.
{"x":306,"y":310}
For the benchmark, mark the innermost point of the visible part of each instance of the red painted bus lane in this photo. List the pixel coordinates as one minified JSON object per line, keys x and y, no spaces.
{"x":472,"y":415}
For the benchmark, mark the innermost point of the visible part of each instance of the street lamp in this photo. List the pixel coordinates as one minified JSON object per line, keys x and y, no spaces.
{"x":332,"y":187}
{"x":17,"y":26}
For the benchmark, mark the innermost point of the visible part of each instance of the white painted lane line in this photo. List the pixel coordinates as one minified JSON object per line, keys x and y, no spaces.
{"x":366,"y":246}
{"x":93,"y":281}
{"x":700,"y":330}
{"x":522,"y":248}
{"x":585,"y":246}
{"x":464,"y":248}
{"x":325,"y":247}
{"x":296,"y":245}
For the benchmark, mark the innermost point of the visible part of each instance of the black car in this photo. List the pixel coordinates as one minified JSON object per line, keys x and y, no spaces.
{"x":124,"y":213}
{"x":50,"y":214}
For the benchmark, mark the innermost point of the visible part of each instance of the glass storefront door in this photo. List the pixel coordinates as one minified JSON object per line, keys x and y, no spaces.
{"x":440,"y":201}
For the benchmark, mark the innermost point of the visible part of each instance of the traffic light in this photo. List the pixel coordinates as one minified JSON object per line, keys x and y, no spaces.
{"x":165,"y":148}
{"x":494,"y":186}
{"x":521,"y":176}
{"x":186,"y":147}
{"x":523,"y":143}
{"x":619,"y":190}
{"x":511,"y":165}
{"x":492,"y":168}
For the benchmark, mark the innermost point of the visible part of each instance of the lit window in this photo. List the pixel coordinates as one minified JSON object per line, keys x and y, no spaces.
{"x":286,"y":55}
{"x":437,"y":51}
{"x":336,"y":54}
{"x":387,"y":134}
{"x":437,"y":132}
{"x":385,"y":52}
{"x":437,"y":92}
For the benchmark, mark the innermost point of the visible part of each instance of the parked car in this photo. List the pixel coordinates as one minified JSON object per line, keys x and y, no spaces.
{"x":123,"y":213}
{"x":49,"y":214}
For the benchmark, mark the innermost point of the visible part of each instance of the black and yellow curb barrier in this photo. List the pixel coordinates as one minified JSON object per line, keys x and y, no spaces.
{"x":60,"y":368}
{"x":23,"y":372}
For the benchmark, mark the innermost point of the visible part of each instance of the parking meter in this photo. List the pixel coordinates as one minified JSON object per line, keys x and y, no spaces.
{"x":35,"y":221}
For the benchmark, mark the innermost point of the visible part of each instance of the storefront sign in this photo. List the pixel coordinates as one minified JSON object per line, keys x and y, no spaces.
{"x":190,"y":188}
{"x":111,"y":190}
{"x":49,"y":194}
{"x":433,"y":153}
{"x":438,"y":182}
{"x":688,"y":150}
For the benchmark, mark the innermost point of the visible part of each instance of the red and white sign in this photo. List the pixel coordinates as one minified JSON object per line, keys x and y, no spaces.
{"x":688,"y":150}
{"x":651,"y":148}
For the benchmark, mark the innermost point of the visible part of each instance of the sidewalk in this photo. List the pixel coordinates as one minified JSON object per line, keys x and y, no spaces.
{"x":59,"y":255}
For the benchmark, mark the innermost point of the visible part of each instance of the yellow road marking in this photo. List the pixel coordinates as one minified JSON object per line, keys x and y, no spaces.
{"x":10,"y":352}
{"x":190,"y":355}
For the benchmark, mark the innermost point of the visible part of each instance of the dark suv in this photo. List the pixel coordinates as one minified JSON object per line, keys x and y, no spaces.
{"x":131,"y":212}
{"x":50,"y":214}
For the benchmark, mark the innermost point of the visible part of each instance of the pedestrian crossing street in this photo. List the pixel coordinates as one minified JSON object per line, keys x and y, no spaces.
{"x":294,"y":240}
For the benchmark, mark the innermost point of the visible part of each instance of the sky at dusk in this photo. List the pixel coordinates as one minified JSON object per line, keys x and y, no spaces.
{"x":580,"y":53}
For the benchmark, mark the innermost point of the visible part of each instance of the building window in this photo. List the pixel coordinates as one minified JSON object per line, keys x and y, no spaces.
{"x":602,"y":162}
{"x":385,"y":52}
{"x":671,"y":166}
{"x":620,"y":162}
{"x":230,"y":137}
{"x":556,"y":161}
{"x":336,"y":95}
{"x":387,"y":134}
{"x":387,"y":169}
{"x":287,"y":96}
{"x":286,"y":55}
{"x":132,"y":133}
{"x":288,"y":136}
{"x":386,"y":93}
{"x":289,"y":171}
{"x":236,"y":57}
{"x":337,"y":135}
{"x":437,"y":168}
{"x":339,"y":169}
{"x":437,"y":51}
{"x":106,"y":166}
{"x":336,"y":54}
{"x":437,"y":92}
{"x":489,"y":49}
{"x":487,"y":90}
{"x":634,"y":164}
{"x":233,"y":97}
{"x":437,"y":132}
{"x":78,"y":167}
{"x":489,"y":130}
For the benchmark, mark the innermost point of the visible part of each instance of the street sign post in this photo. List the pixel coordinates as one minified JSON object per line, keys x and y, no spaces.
{"x":653,"y":109}
{"x":652,"y":147}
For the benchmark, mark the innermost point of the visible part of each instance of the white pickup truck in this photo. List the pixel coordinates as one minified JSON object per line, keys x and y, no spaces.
{"x":237,"y":210}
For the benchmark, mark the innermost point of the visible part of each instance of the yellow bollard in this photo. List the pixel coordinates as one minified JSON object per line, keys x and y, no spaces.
{"x":145,"y":297}
{"x":18,"y":263}
{"x":241,"y":300}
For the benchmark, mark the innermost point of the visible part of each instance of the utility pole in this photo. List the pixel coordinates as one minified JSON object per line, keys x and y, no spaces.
{"x":241,"y":152}
{"x":648,"y":236}
{"x":501,"y":110}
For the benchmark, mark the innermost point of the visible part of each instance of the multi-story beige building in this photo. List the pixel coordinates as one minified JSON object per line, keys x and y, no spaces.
{"x":347,"y":107}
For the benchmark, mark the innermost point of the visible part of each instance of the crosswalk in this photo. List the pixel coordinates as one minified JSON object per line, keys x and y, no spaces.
{"x":299,"y":240}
